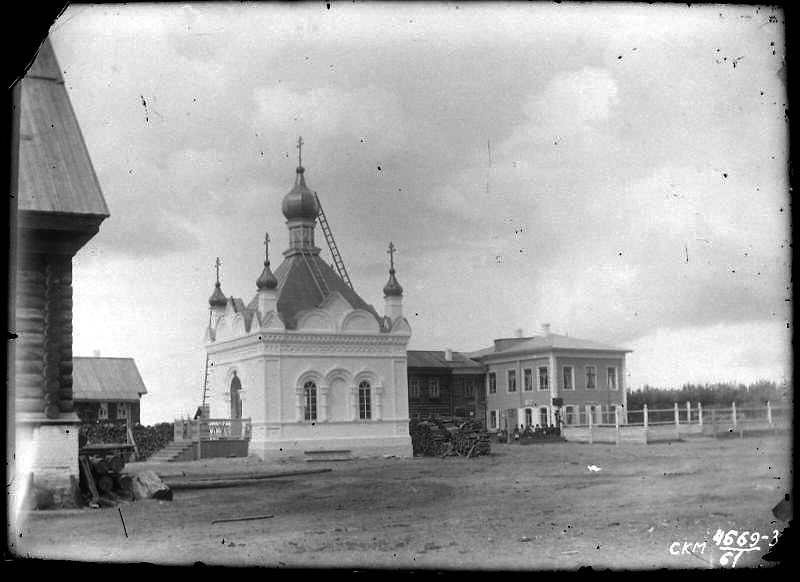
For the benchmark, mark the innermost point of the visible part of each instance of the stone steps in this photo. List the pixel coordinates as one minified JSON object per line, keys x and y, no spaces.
{"x":172,"y":452}
{"x":326,"y":455}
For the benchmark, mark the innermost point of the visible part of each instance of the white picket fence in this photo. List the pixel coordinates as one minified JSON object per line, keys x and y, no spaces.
{"x":671,"y":424}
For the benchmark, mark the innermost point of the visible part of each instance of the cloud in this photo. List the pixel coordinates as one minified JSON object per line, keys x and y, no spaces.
{"x":571,"y":103}
{"x":370,"y":113}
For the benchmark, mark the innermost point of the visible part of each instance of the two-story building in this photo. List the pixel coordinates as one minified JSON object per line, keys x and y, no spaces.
{"x":552,"y":378}
{"x":445,"y":383}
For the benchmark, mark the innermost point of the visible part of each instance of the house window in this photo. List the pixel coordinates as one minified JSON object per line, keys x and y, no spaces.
{"x":433,"y":387}
{"x":543,"y":416}
{"x":414,"y":388}
{"x":122,"y":410}
{"x":591,"y":378}
{"x":364,"y":401}
{"x":310,"y":401}
{"x":612,"y":378}
{"x":469,"y":388}
{"x":569,"y":414}
{"x":492,"y":383}
{"x":102,"y":411}
{"x":544,"y":380}
{"x":512,"y":380}
{"x":528,"y":417}
{"x":527,"y":379}
{"x":569,"y":378}
{"x":596,"y":412}
{"x":492,"y":419}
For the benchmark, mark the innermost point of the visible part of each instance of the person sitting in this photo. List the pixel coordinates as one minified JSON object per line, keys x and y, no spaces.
{"x":537,"y":431}
{"x":516,"y":433}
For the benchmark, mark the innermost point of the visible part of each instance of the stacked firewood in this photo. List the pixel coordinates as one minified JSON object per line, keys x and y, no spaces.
{"x":102,"y":481}
{"x":148,"y":439}
{"x":443,"y":437}
{"x":428,"y":438}
{"x":471,"y":440}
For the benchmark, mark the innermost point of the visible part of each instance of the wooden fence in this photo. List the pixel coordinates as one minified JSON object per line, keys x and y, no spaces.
{"x":673,"y":424}
{"x":210,"y":429}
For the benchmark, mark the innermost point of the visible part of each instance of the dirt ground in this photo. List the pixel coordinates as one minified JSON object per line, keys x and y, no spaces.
{"x":523,"y":507}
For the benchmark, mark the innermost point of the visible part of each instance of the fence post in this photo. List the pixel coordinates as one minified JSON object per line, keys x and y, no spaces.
{"x":688,"y":412}
{"x":616,"y":422}
{"x":677,"y":421}
{"x":644,"y":414}
{"x":769,"y":414}
{"x":700,"y":415}
{"x":591,"y":427}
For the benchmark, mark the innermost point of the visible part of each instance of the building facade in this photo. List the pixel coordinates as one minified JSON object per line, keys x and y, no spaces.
{"x":307,"y":360}
{"x":445,"y":383}
{"x":551,"y":379}
{"x":107,"y":389}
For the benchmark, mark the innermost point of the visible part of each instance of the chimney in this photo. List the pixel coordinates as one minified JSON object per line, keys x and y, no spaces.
{"x":518,"y":332}
{"x":546,"y":329}
{"x":448,"y":355}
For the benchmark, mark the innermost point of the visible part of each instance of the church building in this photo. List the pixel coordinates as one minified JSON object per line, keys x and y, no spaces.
{"x":312,"y":365}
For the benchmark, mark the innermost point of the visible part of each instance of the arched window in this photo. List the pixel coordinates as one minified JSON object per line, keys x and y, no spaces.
{"x":310,"y":401}
{"x":236,"y":398}
{"x":364,"y":401}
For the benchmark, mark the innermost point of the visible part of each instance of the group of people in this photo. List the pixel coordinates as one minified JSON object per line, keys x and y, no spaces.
{"x":535,"y":432}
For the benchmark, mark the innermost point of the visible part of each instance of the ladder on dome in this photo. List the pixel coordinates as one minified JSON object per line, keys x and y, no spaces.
{"x":337,"y":257}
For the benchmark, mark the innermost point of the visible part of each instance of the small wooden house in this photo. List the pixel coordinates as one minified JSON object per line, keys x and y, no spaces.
{"x":107,"y":389}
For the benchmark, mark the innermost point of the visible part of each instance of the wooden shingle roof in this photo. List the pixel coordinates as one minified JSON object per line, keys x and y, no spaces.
{"x":55,"y":171}
{"x":106,"y":379}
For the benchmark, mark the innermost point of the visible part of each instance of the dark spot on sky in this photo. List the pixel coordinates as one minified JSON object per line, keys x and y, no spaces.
{"x":619,"y":57}
{"x":328,"y":4}
{"x":724,"y":175}
{"x":379,"y":168}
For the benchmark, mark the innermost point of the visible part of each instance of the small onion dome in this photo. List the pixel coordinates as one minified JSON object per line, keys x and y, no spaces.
{"x":266,"y":280}
{"x":300,"y":202}
{"x":217,"y":298}
{"x":392,"y":287}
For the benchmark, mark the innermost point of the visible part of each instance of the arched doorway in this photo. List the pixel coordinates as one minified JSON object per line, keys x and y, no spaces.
{"x":236,"y":406}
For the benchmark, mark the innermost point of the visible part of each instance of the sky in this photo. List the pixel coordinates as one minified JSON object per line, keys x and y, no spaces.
{"x":616,"y":170}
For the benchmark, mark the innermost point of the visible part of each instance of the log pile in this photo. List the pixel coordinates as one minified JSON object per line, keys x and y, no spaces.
{"x":148,"y":439}
{"x":437,"y":436}
{"x":471,"y":440}
{"x":102,"y":481}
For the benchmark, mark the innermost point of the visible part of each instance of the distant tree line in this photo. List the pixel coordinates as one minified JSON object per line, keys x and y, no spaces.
{"x":719,"y":395}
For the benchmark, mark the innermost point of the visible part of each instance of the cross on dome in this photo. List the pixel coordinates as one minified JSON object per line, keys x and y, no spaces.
{"x":217,"y":298}
{"x":392,"y":287}
{"x":300,"y":151}
{"x":267,"y":279}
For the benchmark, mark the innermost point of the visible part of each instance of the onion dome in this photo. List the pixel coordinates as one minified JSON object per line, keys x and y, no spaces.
{"x":217,"y":298}
{"x":300,"y":202}
{"x":392,"y":287}
{"x":266,"y":280}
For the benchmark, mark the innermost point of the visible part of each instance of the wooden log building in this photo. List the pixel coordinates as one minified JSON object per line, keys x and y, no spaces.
{"x":59,"y":209}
